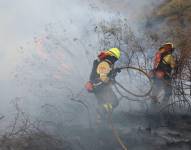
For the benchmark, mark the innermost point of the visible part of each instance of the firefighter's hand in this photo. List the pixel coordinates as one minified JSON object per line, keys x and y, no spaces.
{"x":115,"y":71}
{"x":89,"y":86}
{"x":173,"y":75}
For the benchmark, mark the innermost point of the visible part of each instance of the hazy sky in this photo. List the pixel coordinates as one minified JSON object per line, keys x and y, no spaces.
{"x":22,"y":20}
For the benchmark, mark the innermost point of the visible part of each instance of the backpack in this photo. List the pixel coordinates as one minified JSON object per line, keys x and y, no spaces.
{"x":161,"y":67}
{"x":159,"y":59}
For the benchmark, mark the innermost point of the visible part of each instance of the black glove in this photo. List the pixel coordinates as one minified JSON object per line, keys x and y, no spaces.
{"x":114,"y":72}
{"x":117,"y":70}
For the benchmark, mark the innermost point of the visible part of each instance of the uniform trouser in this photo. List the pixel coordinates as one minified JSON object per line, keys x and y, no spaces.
{"x":106,"y":99}
{"x":165,"y":84}
{"x":160,"y":117}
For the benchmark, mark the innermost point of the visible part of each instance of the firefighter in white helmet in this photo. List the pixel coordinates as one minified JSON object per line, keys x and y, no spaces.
{"x":164,"y":69}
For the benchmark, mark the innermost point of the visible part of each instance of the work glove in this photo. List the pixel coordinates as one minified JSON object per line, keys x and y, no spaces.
{"x":174,"y":74}
{"x":115,"y":72}
{"x":89,"y":86}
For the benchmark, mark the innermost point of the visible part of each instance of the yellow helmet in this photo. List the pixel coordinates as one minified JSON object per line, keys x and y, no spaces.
{"x":115,"y":52}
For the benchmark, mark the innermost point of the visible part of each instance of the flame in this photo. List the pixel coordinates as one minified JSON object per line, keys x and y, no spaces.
{"x":58,"y":56}
{"x":63,"y":68}
{"x":40,"y":48}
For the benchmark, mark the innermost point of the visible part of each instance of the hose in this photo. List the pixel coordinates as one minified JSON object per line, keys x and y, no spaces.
{"x":134,"y":94}
{"x":126,"y":97}
{"x":115,"y":133}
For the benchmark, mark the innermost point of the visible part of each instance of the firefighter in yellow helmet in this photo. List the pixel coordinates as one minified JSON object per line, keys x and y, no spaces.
{"x":100,"y":82}
{"x":163,"y":70}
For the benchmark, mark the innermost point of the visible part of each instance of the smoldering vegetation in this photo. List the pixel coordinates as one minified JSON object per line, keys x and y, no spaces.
{"x":53,"y":110}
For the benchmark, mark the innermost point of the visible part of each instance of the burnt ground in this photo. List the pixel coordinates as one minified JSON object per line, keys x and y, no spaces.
{"x":138,"y":132}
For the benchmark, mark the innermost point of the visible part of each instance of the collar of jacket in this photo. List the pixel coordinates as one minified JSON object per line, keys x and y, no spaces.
{"x":107,"y":60}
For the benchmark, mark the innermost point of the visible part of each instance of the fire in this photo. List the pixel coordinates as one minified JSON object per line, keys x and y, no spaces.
{"x":40,"y":48}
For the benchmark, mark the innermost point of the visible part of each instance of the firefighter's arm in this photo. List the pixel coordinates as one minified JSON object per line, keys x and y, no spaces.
{"x":173,"y":62}
{"x":157,"y":59}
{"x":173,"y":66}
{"x":89,"y":85}
{"x":93,"y":72}
{"x":114,"y":72}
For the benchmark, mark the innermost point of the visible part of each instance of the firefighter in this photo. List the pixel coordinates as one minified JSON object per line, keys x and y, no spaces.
{"x":163,"y":70}
{"x":100,"y":82}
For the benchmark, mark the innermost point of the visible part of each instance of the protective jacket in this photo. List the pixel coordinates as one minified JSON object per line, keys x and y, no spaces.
{"x":101,"y":76}
{"x":164,"y":62}
{"x":102,"y":71}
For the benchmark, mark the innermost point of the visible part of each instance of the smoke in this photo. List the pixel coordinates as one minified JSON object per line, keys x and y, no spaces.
{"x":48,"y":46}
{"x":22,"y":20}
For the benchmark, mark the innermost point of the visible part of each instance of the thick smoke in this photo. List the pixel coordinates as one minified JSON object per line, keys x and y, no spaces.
{"x":48,"y":47}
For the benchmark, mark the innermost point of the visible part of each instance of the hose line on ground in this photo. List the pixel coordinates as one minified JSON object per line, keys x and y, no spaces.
{"x":115,"y":133}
